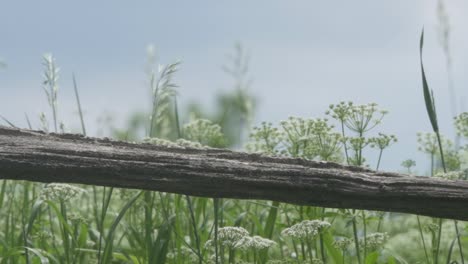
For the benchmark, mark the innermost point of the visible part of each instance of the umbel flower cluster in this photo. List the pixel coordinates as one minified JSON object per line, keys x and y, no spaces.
{"x":60,"y":192}
{"x":461,"y":124}
{"x":374,"y":241}
{"x":196,"y":134}
{"x":238,"y":238}
{"x":317,"y":139}
{"x":307,"y":229}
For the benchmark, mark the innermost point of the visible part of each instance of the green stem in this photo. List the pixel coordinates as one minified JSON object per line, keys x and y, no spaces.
{"x":378,"y":161}
{"x":344,"y":142}
{"x":365,"y":234}
{"x":422,"y":239}
{"x":356,"y":241}
{"x":439,"y":236}
{"x":216,"y":208}
{"x":459,"y":242}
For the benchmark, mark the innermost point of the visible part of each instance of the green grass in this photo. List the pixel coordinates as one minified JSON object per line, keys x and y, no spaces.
{"x":89,"y":224}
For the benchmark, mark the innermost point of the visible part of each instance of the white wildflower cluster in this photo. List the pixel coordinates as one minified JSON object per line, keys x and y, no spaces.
{"x":188,"y":144}
{"x":60,"y":192}
{"x":255,"y":242}
{"x":362,"y":118}
{"x":428,"y":142}
{"x":229,"y":236}
{"x":306,"y":229}
{"x":76,"y":218}
{"x":160,"y":142}
{"x":179,"y":143}
{"x":204,"y":132}
{"x":374,"y":241}
{"x":265,"y":139}
{"x":342,"y":243}
{"x":238,"y":238}
{"x":382,"y":141}
{"x":461,"y":124}
{"x":358,"y":118}
{"x":451,"y":175}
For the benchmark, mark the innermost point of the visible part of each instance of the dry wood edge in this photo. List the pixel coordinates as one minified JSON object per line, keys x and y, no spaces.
{"x":70,"y":158}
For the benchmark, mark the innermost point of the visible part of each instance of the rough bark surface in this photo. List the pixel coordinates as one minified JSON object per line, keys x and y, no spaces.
{"x":69,"y":158}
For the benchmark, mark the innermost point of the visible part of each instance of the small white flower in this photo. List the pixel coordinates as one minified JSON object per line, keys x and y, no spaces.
{"x":60,"y":191}
{"x":230,"y":235}
{"x":255,"y":242}
{"x":306,"y":229}
{"x":374,"y":241}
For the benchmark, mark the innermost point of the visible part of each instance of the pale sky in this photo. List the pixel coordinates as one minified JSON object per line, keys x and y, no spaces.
{"x":305,"y":55}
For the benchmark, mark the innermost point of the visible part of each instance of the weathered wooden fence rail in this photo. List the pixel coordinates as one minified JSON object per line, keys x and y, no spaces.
{"x":36,"y":156}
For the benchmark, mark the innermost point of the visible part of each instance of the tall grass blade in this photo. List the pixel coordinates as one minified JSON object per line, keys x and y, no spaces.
{"x":8,"y":122}
{"x":428,"y":94}
{"x":107,"y":255}
{"x":28,"y":121}
{"x":269,"y":228}
{"x":333,"y":253}
{"x":37,"y":252}
{"x":80,"y":112}
{"x":162,"y":241}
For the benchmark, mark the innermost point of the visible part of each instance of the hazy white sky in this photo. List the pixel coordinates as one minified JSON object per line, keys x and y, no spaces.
{"x":304,"y":56}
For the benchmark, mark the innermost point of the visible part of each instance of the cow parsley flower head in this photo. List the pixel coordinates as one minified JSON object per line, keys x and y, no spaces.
{"x":362,"y":118}
{"x":342,"y":243}
{"x":306,"y":229}
{"x":461,"y":124}
{"x":204,"y":132}
{"x":451,"y":175}
{"x":255,"y":242}
{"x":265,"y":139}
{"x":340,"y":111}
{"x":230,"y":235}
{"x":374,"y":241}
{"x":382,"y":141}
{"x":60,"y":191}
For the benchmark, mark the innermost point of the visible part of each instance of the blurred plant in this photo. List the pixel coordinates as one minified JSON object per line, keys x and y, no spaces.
{"x":3,"y":64}
{"x":297,"y":135}
{"x":429,"y":144}
{"x":461,"y":124}
{"x":326,"y":142}
{"x":306,"y":231}
{"x":357,"y":144}
{"x":163,"y":93}
{"x":44,"y":123}
{"x":340,"y":112}
{"x":343,"y":244}
{"x":382,"y":142}
{"x":374,"y":241}
{"x":310,"y":139}
{"x":444,"y":30}
{"x":239,"y":105}
{"x":408,"y":164}
{"x":50,"y":85}
{"x":60,"y":192}
{"x":204,"y":132}
{"x":451,"y":175}
{"x":265,"y":139}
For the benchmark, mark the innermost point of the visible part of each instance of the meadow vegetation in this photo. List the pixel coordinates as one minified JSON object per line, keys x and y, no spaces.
{"x":62,"y":223}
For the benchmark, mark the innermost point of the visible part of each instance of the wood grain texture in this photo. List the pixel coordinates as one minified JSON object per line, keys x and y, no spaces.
{"x":69,"y":158}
